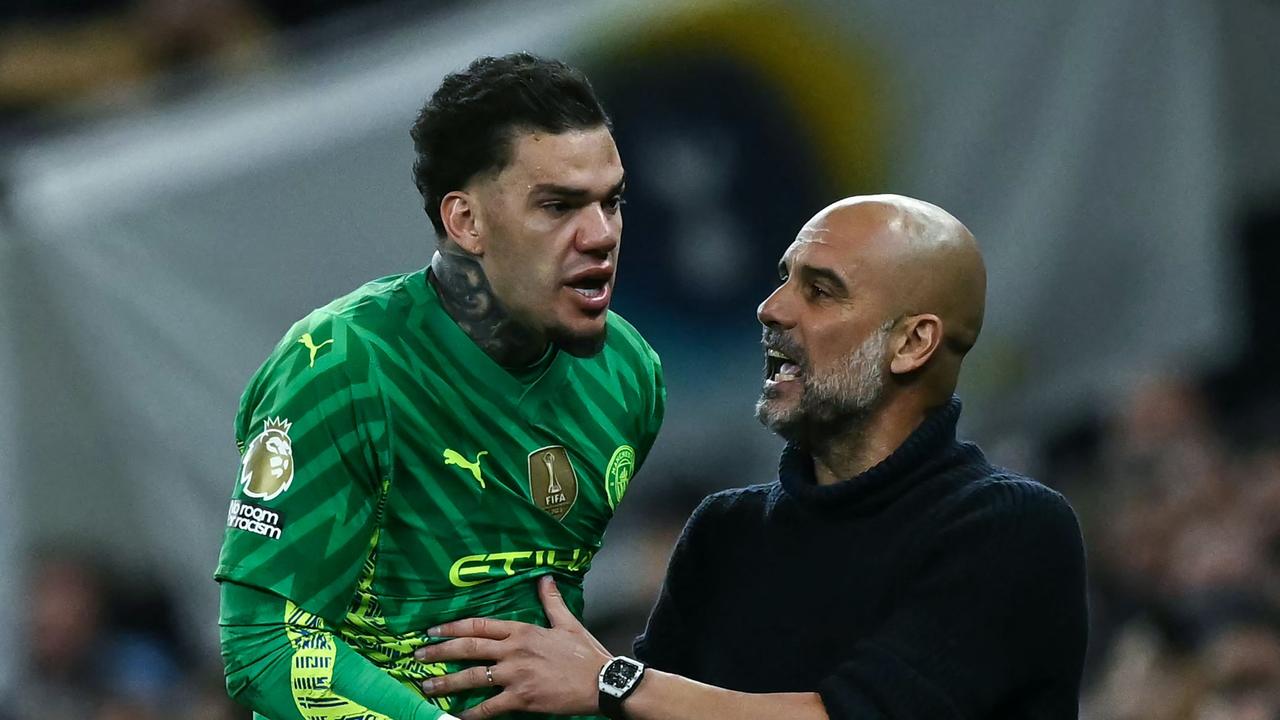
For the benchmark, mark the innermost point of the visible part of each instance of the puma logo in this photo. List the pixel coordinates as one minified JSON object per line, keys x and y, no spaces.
{"x":453,"y":457}
{"x":312,"y":346}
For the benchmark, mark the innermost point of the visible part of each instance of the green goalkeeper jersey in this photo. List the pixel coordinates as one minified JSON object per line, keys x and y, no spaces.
{"x":394,"y":477}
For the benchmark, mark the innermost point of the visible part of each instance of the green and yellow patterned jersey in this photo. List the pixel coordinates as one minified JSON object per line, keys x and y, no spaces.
{"x":394,"y":477}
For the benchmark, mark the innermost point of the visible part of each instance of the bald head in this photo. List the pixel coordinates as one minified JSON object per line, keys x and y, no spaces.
{"x":921,"y":257}
{"x":881,"y":298}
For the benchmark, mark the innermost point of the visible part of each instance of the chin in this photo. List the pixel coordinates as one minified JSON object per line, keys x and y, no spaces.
{"x":580,"y":343}
{"x":783,"y":423}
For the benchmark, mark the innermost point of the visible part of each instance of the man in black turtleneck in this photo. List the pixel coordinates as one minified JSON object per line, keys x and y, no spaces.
{"x":891,"y":571}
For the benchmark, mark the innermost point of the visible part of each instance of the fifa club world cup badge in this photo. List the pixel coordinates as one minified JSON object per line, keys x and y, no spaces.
{"x":553,"y":484}
{"x":617,"y":475}
{"x":267,"y":467}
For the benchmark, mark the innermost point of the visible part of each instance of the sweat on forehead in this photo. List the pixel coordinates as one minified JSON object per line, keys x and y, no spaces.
{"x":906,"y":219}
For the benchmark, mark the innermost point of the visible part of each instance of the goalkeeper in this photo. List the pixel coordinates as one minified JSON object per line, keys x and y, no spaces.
{"x":414,"y":452}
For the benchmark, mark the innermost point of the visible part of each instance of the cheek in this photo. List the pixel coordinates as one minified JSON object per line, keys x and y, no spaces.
{"x":827,"y":352}
{"x":522,"y":275}
{"x":818,"y":340}
{"x":831,"y":335}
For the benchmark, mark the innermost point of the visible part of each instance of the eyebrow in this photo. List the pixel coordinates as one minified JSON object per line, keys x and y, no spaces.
{"x":810,"y":273}
{"x":827,"y":274}
{"x":575,"y":192}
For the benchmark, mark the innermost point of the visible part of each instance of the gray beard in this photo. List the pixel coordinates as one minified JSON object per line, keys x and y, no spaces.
{"x":838,"y":403}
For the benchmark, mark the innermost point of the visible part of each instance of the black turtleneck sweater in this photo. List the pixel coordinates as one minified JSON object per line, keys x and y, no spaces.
{"x":931,"y":586}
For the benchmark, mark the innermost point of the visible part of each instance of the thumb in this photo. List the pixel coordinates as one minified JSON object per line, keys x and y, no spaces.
{"x":553,"y":604}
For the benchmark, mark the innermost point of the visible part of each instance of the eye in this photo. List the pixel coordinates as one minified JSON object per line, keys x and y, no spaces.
{"x":816,"y":291}
{"x":556,"y":207}
{"x":614,"y":204}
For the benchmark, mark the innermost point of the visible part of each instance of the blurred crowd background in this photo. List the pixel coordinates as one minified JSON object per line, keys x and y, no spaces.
{"x":181,"y":179}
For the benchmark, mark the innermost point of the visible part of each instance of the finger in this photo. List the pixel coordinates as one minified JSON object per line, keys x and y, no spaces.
{"x":475,"y":627}
{"x":500,"y":704}
{"x":467,"y":648}
{"x":558,"y":614}
{"x":472,"y":677}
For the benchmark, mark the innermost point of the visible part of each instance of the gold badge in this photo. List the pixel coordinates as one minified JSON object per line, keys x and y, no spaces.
{"x":552,"y":482}
{"x":267,"y":467}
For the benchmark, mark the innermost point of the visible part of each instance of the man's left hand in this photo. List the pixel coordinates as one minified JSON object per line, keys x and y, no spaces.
{"x":547,"y":670}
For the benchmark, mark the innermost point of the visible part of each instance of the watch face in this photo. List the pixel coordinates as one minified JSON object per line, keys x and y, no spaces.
{"x":620,"y":674}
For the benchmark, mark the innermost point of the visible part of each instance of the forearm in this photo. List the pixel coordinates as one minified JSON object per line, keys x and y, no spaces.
{"x":294,"y":669}
{"x":663,"y":696}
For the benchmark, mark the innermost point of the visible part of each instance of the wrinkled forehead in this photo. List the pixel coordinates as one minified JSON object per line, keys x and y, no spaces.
{"x":811,"y":245}
{"x":844,"y":248}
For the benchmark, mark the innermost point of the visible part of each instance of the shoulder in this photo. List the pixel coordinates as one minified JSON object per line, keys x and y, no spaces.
{"x":721,"y":518}
{"x":1004,"y":492}
{"x":330,"y":345}
{"x":1005,"y":507}
{"x":627,"y":344}
{"x":735,"y":505}
{"x":378,"y":307}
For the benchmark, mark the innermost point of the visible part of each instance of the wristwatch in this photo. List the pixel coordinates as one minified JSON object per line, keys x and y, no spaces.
{"x":618,"y":679}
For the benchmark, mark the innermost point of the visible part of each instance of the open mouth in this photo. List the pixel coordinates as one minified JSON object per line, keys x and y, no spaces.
{"x":780,"y":367}
{"x":591,"y":288}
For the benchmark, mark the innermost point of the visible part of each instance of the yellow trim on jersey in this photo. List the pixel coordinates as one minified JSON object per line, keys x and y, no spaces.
{"x":311,"y":670}
{"x":367,"y":632}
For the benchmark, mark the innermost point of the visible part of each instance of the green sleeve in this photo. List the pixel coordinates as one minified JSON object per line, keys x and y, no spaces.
{"x":656,"y":410}
{"x":284,"y":664}
{"x":312,"y":430}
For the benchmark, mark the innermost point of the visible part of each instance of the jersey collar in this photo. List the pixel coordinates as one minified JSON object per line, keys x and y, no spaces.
{"x":464,"y":351}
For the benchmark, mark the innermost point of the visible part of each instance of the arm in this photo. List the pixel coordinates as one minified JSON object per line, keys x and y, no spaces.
{"x":554,"y":670}
{"x":663,"y":696}
{"x":999,"y":611}
{"x":666,"y":643}
{"x":668,"y":640}
{"x":304,"y":517}
{"x":283,"y":663}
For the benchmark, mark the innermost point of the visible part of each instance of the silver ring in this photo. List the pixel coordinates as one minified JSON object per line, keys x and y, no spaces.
{"x":488,"y":674}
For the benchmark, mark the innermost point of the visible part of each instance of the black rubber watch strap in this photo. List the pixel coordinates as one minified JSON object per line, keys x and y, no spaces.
{"x":611,"y":707}
{"x":610,"y":704}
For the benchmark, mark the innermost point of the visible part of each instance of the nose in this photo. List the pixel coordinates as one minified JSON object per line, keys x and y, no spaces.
{"x":600,"y":232}
{"x":774,"y":313}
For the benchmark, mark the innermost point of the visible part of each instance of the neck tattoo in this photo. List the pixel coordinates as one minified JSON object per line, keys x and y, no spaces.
{"x":465,"y":292}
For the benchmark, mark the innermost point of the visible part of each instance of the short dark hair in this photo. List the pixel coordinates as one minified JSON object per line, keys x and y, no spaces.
{"x":466,"y":128}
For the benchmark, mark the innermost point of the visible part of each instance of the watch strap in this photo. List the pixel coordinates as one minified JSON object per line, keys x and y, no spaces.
{"x":611,"y":705}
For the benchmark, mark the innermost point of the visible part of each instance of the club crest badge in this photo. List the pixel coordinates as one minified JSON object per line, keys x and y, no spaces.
{"x":267,"y":467}
{"x":553,"y":484}
{"x":617,"y":475}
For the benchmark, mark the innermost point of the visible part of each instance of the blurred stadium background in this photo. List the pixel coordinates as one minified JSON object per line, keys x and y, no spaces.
{"x":181,"y":179}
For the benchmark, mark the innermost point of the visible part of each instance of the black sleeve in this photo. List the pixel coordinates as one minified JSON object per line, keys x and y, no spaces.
{"x":999,"y":612}
{"x":667,"y":641}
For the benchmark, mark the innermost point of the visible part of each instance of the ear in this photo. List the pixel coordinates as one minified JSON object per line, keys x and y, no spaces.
{"x":920,"y":340}
{"x":461,"y":221}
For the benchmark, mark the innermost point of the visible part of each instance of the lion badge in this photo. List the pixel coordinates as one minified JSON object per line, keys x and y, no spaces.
{"x":267,"y":467}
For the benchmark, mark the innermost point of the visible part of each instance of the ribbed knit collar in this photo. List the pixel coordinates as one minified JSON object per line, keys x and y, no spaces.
{"x":882,"y":482}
